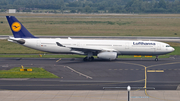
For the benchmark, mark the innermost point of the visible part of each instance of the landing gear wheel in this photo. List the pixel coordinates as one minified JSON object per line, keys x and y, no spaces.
{"x":85,"y":59}
{"x":91,"y":58}
{"x":88,"y":59}
{"x":156,"y":59}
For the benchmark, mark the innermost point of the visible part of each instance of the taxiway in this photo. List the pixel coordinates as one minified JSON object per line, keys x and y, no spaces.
{"x":75,"y":74}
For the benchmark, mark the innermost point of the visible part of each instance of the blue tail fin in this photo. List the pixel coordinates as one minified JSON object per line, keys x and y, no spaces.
{"x":18,"y":30}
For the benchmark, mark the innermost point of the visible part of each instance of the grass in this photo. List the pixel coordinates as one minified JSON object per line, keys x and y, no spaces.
{"x":132,"y":56}
{"x":80,"y":22}
{"x":108,"y":25}
{"x":43,"y":56}
{"x":88,"y":25}
{"x":35,"y":73}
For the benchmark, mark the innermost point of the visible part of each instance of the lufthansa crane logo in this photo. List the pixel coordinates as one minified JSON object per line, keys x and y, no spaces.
{"x":16,"y":26}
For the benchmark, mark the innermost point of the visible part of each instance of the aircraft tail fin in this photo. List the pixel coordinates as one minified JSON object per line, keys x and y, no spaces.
{"x":18,"y":30}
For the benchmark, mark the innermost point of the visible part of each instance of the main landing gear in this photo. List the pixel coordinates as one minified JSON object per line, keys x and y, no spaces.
{"x":89,"y":57}
{"x":156,"y":59}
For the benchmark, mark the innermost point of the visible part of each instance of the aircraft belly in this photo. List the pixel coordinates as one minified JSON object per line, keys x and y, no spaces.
{"x":143,"y":52}
{"x":136,"y":53}
{"x":55,"y":49}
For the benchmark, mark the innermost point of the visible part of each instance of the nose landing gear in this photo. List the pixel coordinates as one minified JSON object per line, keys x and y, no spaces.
{"x":156,"y":59}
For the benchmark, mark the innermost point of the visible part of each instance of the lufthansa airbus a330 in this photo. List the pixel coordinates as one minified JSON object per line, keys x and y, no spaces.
{"x":103,"y":49}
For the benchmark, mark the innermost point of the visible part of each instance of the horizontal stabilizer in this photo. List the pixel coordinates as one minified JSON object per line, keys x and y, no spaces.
{"x":18,"y":40}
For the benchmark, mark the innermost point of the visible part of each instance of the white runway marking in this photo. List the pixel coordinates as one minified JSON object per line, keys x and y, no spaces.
{"x":78,"y":72}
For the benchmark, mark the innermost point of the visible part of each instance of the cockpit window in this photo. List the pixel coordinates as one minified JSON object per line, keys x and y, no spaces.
{"x":168,"y":46}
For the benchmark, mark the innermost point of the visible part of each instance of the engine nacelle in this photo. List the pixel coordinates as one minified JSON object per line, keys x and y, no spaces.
{"x":107,"y":55}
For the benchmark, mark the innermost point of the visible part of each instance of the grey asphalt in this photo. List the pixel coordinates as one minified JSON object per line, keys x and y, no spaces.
{"x":76,"y":74}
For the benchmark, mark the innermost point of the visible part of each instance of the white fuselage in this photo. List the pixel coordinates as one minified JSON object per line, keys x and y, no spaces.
{"x":122,"y":47}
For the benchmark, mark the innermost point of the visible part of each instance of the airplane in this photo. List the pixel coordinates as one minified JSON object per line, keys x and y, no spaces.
{"x":103,"y":49}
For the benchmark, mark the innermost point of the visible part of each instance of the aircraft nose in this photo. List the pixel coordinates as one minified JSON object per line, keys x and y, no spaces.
{"x":173,"y":49}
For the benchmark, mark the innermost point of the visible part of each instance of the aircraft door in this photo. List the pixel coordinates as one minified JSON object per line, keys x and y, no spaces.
{"x":158,"y":46}
{"x":127,"y":45}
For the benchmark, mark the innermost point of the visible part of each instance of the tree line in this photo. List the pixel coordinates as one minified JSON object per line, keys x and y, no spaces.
{"x":95,"y":6}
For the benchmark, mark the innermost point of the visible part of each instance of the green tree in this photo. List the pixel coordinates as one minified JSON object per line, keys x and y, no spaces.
{"x":73,"y":11}
{"x":87,"y":9}
{"x":162,"y":4}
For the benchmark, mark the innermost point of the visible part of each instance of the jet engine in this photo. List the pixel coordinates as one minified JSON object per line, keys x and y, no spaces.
{"x":107,"y":55}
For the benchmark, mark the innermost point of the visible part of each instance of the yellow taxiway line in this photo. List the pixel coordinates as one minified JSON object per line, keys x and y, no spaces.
{"x":58,"y":60}
{"x":155,"y":70}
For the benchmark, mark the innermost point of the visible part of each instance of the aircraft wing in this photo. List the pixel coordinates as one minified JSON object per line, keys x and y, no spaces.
{"x":80,"y":48}
{"x":85,"y":49}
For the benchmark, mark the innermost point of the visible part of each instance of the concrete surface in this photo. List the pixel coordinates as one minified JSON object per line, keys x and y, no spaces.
{"x":89,"y":95}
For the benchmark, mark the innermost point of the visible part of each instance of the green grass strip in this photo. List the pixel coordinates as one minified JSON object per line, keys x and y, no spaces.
{"x":132,"y":56}
{"x":35,"y":73}
{"x":43,"y":56}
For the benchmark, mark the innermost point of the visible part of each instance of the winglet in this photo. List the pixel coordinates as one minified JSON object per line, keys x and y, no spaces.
{"x":18,"y":30}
